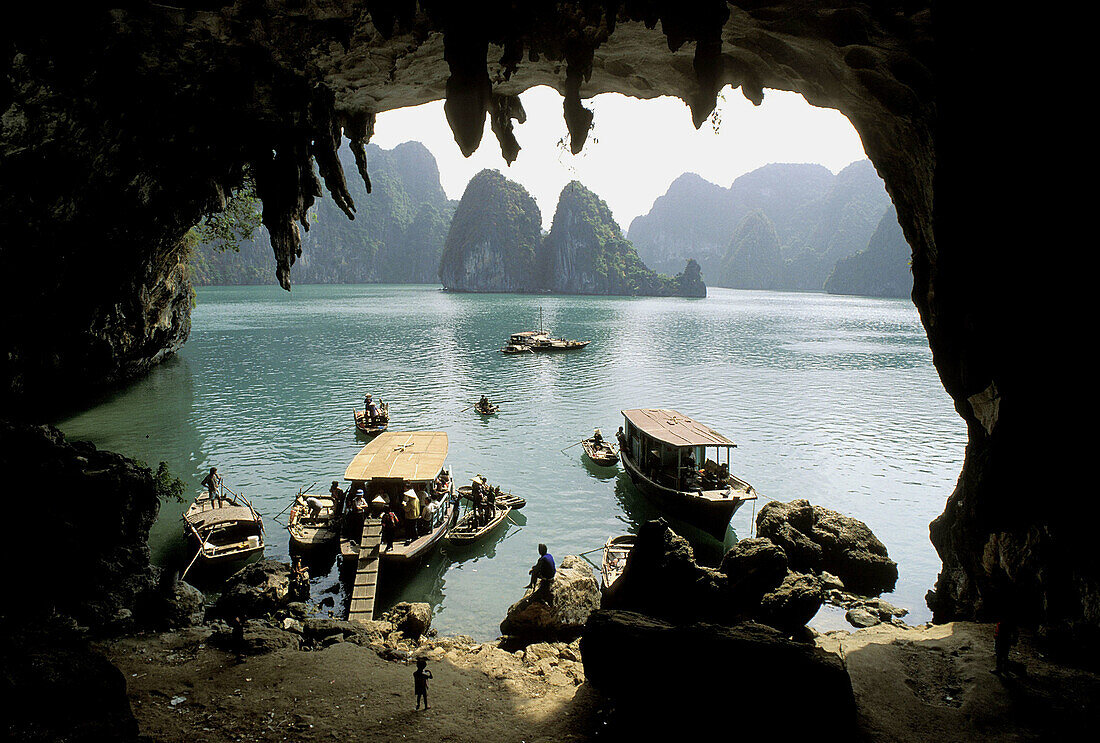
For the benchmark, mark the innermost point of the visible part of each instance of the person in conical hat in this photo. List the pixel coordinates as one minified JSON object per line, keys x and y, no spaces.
{"x":597,"y":436}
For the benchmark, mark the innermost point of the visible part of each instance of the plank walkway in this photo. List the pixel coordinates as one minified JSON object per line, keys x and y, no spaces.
{"x":366,"y":572}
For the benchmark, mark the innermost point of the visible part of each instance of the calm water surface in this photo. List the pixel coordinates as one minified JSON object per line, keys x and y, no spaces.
{"x":833,"y":399}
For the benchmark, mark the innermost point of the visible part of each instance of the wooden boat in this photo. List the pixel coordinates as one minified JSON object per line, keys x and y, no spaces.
{"x":486,"y":409}
{"x":540,"y":340}
{"x":224,"y":528}
{"x":513,"y":348}
{"x":511,"y":500}
{"x":389,"y":468}
{"x":601,"y":452}
{"x":467,"y":530}
{"x":381,"y":422}
{"x":615,"y":552}
{"x":660,"y":450}
{"x":309,"y":530}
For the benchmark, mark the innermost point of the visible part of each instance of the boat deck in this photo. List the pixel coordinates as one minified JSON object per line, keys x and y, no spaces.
{"x":365,"y":586}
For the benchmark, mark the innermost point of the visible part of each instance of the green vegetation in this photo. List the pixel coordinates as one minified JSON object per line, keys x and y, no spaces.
{"x":882,"y":270}
{"x":236,"y":223}
{"x":167,"y":485}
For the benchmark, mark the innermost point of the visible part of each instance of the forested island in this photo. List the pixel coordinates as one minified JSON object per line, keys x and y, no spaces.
{"x":496,"y":245}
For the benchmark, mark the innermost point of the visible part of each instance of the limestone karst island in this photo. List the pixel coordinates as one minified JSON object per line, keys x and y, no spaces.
{"x":544,"y":371}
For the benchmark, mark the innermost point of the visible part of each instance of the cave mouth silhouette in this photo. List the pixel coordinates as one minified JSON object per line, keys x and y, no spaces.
{"x":153,"y":112}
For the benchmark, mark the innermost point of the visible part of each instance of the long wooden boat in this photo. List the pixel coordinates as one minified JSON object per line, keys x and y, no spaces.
{"x":390,"y":468}
{"x":511,"y":500}
{"x":615,"y":552}
{"x":311,"y":531}
{"x":224,"y":528}
{"x":378,"y":426}
{"x":600,"y":452}
{"x":540,"y":341}
{"x":467,"y":530}
{"x":661,"y":451}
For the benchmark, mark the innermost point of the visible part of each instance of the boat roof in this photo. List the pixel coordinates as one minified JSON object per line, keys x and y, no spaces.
{"x":528,"y":333}
{"x":225,"y":514}
{"x":413,"y":455}
{"x":674,"y":428}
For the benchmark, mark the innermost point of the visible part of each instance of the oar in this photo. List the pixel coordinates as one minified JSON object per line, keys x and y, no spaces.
{"x":589,"y":552}
{"x":196,"y":557}
{"x":572,"y":445}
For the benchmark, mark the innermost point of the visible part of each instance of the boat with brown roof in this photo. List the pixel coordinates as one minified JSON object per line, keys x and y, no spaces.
{"x":224,"y":527}
{"x":668,"y":457}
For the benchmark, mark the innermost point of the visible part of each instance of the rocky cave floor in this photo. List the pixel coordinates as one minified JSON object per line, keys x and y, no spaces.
{"x":931,"y":682}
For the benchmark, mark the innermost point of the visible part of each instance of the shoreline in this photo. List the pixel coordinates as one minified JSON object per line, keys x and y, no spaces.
{"x":910,"y":684}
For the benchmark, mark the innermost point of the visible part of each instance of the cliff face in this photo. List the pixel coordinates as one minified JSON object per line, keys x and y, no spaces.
{"x":493,"y":238}
{"x":586,"y":253}
{"x":396,"y":237}
{"x":882,"y":270}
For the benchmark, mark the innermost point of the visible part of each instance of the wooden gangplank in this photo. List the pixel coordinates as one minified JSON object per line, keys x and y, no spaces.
{"x":366,"y":572}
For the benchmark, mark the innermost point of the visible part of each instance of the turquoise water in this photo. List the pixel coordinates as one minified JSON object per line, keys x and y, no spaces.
{"x":833,"y":399}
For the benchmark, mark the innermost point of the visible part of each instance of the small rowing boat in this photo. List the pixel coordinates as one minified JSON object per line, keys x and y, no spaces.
{"x":615,"y":552}
{"x":375,"y":426}
{"x":470,"y":528}
{"x":511,"y":500}
{"x":487,"y":409}
{"x":516,"y":348}
{"x":599,"y":450}
{"x":313,"y":521}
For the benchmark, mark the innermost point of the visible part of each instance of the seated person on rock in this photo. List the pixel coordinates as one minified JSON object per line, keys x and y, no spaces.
{"x":544,"y":568}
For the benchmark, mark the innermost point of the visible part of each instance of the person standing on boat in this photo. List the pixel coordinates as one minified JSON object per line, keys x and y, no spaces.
{"x":370,"y":410}
{"x":389,"y":527}
{"x":597,"y":437}
{"x":212,"y":482}
{"x":412,"y":515}
{"x":544,"y":568}
{"x":337,"y":496}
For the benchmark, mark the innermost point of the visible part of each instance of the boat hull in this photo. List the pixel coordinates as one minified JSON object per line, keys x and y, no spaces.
{"x":615,"y":553}
{"x":463,"y":533}
{"x":711,"y":514}
{"x":602,"y":457}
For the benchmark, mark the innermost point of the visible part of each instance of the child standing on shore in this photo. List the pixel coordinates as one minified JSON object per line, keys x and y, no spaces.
{"x":420,"y":681}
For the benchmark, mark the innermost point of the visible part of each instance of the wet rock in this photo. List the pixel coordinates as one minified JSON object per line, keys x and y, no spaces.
{"x":846,"y":545}
{"x":555,"y":610}
{"x":625,"y":654}
{"x":752,"y":568}
{"x":257,"y":590}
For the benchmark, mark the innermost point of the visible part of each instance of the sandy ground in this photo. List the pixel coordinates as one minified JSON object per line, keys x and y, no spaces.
{"x":911,"y":684}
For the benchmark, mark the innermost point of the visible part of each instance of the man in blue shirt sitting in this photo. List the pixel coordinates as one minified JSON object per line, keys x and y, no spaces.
{"x":544,"y":568}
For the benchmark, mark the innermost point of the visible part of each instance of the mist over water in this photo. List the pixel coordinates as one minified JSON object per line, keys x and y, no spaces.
{"x":833,"y":399}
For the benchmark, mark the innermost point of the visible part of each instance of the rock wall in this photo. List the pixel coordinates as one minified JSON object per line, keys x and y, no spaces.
{"x":119,"y":128}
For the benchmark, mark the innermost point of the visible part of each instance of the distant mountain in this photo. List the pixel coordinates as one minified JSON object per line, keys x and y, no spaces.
{"x":817,"y":218}
{"x":586,"y":253}
{"x":493,"y":239}
{"x":397,"y":235}
{"x":882,"y":270}
{"x":754,"y":260}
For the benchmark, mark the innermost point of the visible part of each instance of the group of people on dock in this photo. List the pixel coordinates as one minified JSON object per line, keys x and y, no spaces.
{"x":409,"y":511}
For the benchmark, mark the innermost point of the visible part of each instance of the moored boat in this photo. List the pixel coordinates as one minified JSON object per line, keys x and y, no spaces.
{"x":668,"y":457}
{"x":224,"y":528}
{"x":403,"y":473}
{"x":514,"y":348}
{"x":472,"y":527}
{"x":615,"y":552}
{"x":314,"y":521}
{"x":599,"y":450}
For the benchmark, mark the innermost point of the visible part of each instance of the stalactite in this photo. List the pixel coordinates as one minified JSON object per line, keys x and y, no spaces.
{"x":359,"y":128}
{"x":578,"y":119}
{"x":708,"y":74}
{"x":468,"y":89}
{"x":504,"y":109}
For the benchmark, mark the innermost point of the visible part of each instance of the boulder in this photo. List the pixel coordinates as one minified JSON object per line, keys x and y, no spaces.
{"x":664,"y":677}
{"x":859,"y":616}
{"x":753,"y":568}
{"x":661,"y":578}
{"x":182,"y":605}
{"x":555,"y":611}
{"x":411,"y":619}
{"x":257,"y":590}
{"x":794,"y":603}
{"x":817,"y":539}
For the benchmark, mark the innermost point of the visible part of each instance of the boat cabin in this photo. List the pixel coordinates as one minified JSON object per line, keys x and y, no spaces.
{"x":676,"y":451}
{"x":527,"y":338}
{"x":394,"y":468}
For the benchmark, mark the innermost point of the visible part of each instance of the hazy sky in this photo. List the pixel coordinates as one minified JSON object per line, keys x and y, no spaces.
{"x":640,"y":146}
